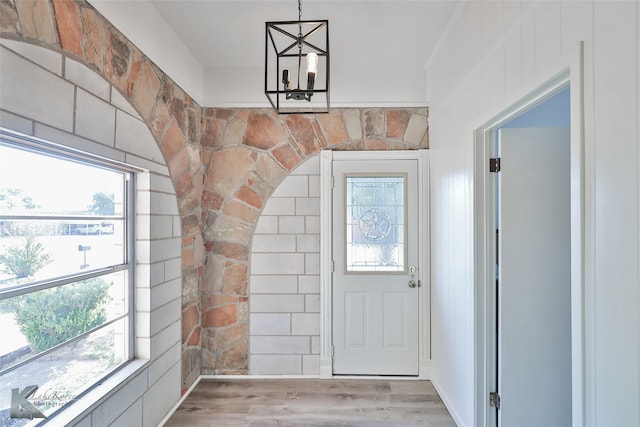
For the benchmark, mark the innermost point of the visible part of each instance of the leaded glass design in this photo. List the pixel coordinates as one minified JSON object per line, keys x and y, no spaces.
{"x":375,"y":223}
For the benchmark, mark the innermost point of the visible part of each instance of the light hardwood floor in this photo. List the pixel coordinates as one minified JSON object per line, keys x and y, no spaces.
{"x":311,"y":402}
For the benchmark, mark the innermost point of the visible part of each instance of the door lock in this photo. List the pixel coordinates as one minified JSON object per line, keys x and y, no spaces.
{"x":413,"y":283}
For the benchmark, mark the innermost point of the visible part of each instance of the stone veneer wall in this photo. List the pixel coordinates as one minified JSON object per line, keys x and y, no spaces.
{"x":284,"y":322}
{"x":75,"y":30}
{"x":224,"y":164}
{"x":50,"y":96}
{"x":246,"y":154}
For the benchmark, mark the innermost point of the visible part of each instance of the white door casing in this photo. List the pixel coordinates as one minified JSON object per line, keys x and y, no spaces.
{"x":534,"y":297}
{"x":381,"y":311}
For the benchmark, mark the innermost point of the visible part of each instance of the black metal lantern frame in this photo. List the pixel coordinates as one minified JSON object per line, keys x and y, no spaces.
{"x":290,"y":46}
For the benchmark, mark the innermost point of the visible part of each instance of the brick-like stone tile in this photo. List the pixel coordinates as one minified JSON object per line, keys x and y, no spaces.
{"x":8,"y":17}
{"x":94,"y":37}
{"x":37,"y":20}
{"x":286,"y":156}
{"x":334,"y":129}
{"x":397,"y":121}
{"x":145,"y":90}
{"x":234,"y":280}
{"x":374,"y":123}
{"x":69,"y":30}
{"x":228,"y":170}
{"x":213,"y":131}
{"x":263,"y":131}
{"x":219,"y":316}
{"x":118,"y":56}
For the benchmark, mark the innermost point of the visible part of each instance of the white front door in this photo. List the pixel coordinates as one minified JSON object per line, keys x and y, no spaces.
{"x":534,"y":309}
{"x":375,"y":277}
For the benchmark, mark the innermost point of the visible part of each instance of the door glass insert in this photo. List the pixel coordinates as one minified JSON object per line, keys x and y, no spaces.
{"x":375,"y":223}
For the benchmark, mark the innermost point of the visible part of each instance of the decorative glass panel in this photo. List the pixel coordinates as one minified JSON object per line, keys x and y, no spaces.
{"x":376,"y":225}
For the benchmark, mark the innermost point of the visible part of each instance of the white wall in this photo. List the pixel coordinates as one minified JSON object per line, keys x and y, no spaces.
{"x":284,"y":337}
{"x":145,"y":27}
{"x":495,"y":54}
{"x":60,"y":100}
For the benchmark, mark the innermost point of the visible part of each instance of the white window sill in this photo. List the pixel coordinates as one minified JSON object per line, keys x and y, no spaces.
{"x":86,"y":404}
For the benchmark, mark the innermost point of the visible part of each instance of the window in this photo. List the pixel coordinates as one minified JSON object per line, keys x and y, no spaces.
{"x":66,"y":275}
{"x":376,"y":223}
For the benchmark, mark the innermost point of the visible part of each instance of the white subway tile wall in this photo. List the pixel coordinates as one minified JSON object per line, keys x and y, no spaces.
{"x":284,"y":285}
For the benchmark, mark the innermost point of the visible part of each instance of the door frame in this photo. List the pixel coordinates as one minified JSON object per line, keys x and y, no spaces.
{"x":326,"y":209}
{"x":485,"y":345}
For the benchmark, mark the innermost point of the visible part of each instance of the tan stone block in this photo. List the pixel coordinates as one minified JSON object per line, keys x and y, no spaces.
{"x":187,"y":256}
{"x":228,"y":170}
{"x":118,"y":56}
{"x":37,"y":20}
{"x":333,"y":128}
{"x":229,"y":337}
{"x":212,"y":274}
{"x":231,"y":250}
{"x":374,"y":123}
{"x":224,"y":113}
{"x":190,"y":227}
{"x":190,"y":202}
{"x":247,"y":195}
{"x":69,"y":29}
{"x":213,"y":131}
{"x":229,"y":229}
{"x":219,"y":316}
{"x":244,"y":213}
{"x":208,"y":359}
{"x":8,"y":17}
{"x":134,"y":72}
{"x":263,"y":131}
{"x":234,"y":280}
{"x":376,"y":144}
{"x":397,"y":123}
{"x":183,"y":185}
{"x":159,"y":120}
{"x":234,"y":133}
{"x":190,"y":320}
{"x":194,"y":338}
{"x":269,"y":170}
{"x":303,"y":134}
{"x":416,"y":129}
{"x":243,"y":310}
{"x":211,"y":200}
{"x":94,"y":37}
{"x":286,"y":156}
{"x":173,"y":141}
{"x":353,"y":123}
{"x":190,"y":286}
{"x":212,"y":301}
{"x":179,"y":163}
{"x":234,"y":360}
{"x":145,"y":90}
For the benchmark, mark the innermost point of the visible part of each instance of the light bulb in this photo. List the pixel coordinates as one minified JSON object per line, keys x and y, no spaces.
{"x":312,"y":62}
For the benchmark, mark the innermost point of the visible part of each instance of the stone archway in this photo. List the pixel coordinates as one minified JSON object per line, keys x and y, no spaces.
{"x":76,"y":30}
{"x":246,"y":154}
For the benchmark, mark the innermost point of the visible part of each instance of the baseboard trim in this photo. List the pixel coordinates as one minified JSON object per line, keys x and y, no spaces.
{"x":447,"y":403}
{"x":177,"y":405}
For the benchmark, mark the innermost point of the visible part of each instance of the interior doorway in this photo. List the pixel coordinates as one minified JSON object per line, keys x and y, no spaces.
{"x":526,"y":223}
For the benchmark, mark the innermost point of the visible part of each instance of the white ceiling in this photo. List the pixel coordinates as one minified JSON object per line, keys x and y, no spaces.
{"x":378,"y":48}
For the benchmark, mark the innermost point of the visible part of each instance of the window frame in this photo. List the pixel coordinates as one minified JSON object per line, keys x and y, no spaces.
{"x":128,"y":265}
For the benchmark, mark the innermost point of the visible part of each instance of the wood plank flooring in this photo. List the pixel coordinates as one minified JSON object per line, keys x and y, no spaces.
{"x":311,"y":402}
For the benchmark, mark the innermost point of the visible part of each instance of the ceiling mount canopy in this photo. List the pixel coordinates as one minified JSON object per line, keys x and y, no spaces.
{"x":296,"y":75}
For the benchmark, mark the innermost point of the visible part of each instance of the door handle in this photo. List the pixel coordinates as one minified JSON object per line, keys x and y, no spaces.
{"x":413,"y":283}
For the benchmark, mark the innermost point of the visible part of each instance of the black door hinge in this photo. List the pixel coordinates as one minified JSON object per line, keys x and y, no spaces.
{"x":494,"y":164}
{"x":494,"y":400}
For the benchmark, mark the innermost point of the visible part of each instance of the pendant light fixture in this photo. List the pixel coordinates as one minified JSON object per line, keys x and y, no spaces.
{"x":296,"y":76}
